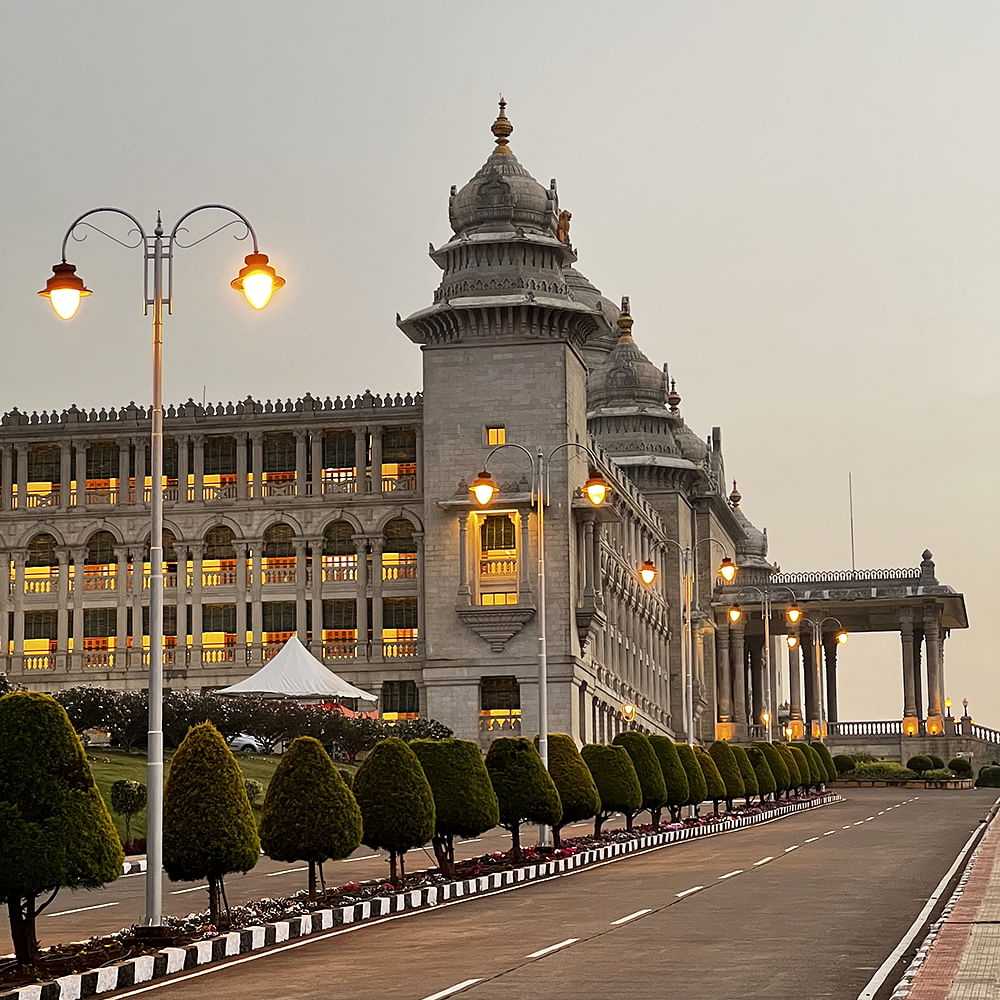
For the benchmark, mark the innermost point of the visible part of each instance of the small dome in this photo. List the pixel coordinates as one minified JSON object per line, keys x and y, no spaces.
{"x":503,"y":195}
{"x":692,"y":447}
{"x":751,"y":550}
{"x":627,"y":376}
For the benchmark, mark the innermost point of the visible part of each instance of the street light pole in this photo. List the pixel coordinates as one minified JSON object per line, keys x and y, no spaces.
{"x":817,"y":636}
{"x":257,"y":280}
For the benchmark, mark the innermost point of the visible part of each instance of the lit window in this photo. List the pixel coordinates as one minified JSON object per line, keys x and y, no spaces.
{"x":496,"y":436}
{"x":497,"y":600}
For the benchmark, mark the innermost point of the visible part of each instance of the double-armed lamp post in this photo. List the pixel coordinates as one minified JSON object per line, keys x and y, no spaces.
{"x":64,"y":289}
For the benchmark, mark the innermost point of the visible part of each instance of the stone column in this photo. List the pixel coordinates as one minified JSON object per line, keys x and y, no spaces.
{"x":418,"y":537}
{"x":376,"y":480}
{"x":257,"y":440}
{"x":22,"y":476}
{"x":198,"y":440}
{"x":795,"y":691}
{"x":183,"y":590}
{"x":756,"y":648}
{"x":197,"y":578}
{"x":906,"y":639}
{"x":62,"y":614}
{"x":918,"y":656}
{"x":256,"y":601}
{"x":301,"y":471}
{"x":6,"y":475}
{"x":932,"y":632}
{"x":316,"y":481}
{"x":81,"y":477}
{"x":377,"y":622}
{"x":588,"y":559}
{"x":464,"y":596}
{"x":598,"y":590}
{"x":241,"y":592}
{"x":241,"y":467}
{"x":138,"y":493}
{"x":360,"y":459}
{"x":183,"y":494}
{"x":830,"y":645}
{"x":121,"y":600}
{"x":524,"y":594}
{"x":736,"y":637}
{"x":809,"y":673}
{"x":942,"y":685}
{"x":299,"y":545}
{"x":79,"y":561}
{"x":316,"y":645}
{"x":124,"y":473}
{"x":20,"y":556}
{"x":135,"y":592}
{"x":361,"y":545}
{"x":419,"y":450}
{"x":65,"y":472}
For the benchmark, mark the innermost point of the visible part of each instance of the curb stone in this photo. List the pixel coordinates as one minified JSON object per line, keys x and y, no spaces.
{"x":167,"y":961}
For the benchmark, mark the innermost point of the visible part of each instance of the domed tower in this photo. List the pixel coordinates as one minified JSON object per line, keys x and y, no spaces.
{"x":502,"y":350}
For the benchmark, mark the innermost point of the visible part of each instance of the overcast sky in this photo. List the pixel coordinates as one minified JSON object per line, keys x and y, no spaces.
{"x":800,"y":198}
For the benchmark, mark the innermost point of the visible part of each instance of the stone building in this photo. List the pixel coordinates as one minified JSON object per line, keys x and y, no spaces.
{"x":350,"y":523}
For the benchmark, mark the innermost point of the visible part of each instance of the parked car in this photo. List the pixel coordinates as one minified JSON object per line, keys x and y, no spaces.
{"x":245,"y":743}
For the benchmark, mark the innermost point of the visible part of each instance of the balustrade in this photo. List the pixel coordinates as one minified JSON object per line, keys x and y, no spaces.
{"x":99,"y":577}
{"x":502,"y":567}
{"x":223,"y":491}
{"x":42,"y":584}
{"x":406,"y":483}
{"x":397,"y":649}
{"x":338,"y":649}
{"x":340,"y":569}
{"x":98,"y":659}
{"x":500,"y":720}
{"x":39,"y":661}
{"x":336,"y":481}
{"x":279,"y":570}
{"x":403,"y":566}
{"x":280,"y":487}
{"x":47,"y":497}
{"x":219,"y":654}
{"x":101,"y":495}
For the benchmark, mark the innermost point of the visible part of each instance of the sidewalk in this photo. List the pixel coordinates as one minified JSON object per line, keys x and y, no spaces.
{"x":963,"y":959}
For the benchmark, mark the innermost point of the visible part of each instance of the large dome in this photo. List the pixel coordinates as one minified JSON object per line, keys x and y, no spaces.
{"x":627,"y":377}
{"x":503,"y":195}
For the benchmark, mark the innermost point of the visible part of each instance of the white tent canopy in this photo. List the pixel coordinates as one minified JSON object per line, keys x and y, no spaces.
{"x":295,"y":673}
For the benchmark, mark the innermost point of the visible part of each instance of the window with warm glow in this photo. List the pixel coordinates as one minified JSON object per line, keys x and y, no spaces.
{"x":496,"y":436}
{"x":498,"y":600}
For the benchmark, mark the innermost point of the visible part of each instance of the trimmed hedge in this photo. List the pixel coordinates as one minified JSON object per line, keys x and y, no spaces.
{"x":573,"y":781}
{"x":766,"y":785}
{"x":309,"y":812}
{"x":697,"y":785}
{"x":920,"y":763}
{"x":647,"y":767}
{"x":817,"y":769}
{"x":936,"y":761}
{"x":713,"y":779}
{"x":882,"y":770}
{"x":747,"y":772}
{"x":525,"y":790}
{"x":938,"y":774}
{"x":824,"y":755}
{"x":962,"y":766}
{"x":778,"y":767}
{"x":617,"y":783}
{"x":844,"y":763}
{"x":988,"y":777}
{"x":729,"y":770}
{"x":674,"y":775}
{"x":795,"y":778}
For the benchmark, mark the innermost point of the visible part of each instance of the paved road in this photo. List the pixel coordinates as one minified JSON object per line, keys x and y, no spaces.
{"x":806,"y":907}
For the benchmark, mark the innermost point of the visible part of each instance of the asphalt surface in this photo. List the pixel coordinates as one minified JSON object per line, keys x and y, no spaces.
{"x":805,"y":907}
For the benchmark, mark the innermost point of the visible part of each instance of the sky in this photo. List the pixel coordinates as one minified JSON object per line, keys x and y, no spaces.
{"x":800,"y":198}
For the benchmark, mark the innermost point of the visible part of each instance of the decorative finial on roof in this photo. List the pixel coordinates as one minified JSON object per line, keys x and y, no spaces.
{"x":674,"y":397}
{"x":625,"y":323}
{"x":502,"y":129}
{"x":735,"y":497}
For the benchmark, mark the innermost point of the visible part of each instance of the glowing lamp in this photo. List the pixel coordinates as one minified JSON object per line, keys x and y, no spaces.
{"x":794,"y":613}
{"x":596,"y":488}
{"x":257,"y":280}
{"x":765,"y":717}
{"x":842,"y":637}
{"x":647,"y":572}
{"x":728,"y":570}
{"x":628,"y":711}
{"x":64,"y":289}
{"x":483,"y":488}
{"x":792,"y":640}
{"x":735,"y":613}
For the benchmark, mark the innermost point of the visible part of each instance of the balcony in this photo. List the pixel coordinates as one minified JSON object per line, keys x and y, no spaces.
{"x":340,"y":569}
{"x":399,"y":649}
{"x":279,"y":484}
{"x":399,"y":566}
{"x":498,"y":567}
{"x":42,"y":496}
{"x":219,"y":573}
{"x":39,"y":661}
{"x":406,"y":483}
{"x":339,"y":481}
{"x":500,"y":720}
{"x":100,"y":577}
{"x":280,"y":569}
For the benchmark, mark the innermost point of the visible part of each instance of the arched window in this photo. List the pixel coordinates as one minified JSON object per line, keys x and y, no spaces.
{"x":219,"y":543}
{"x":278,"y":542}
{"x":101,"y":549}
{"x":497,"y":563}
{"x":42,"y":551}
{"x":340,"y":554}
{"x":399,"y":551}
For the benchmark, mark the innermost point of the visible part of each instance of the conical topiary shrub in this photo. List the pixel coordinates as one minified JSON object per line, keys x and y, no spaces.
{"x":55,"y":831}
{"x":674,"y":775}
{"x":617,"y":783}
{"x":573,"y":781}
{"x":806,"y":773}
{"x":713,"y":779}
{"x":647,"y":767}
{"x":525,"y":790}
{"x":747,"y":773}
{"x":397,"y":805}
{"x":697,"y":785}
{"x":766,"y":785}
{"x":208,"y":825}
{"x":777,"y":766}
{"x":722,"y":753}
{"x":465,"y":804}
{"x":796,"y":781}
{"x":309,"y":812}
{"x":824,"y":755}
{"x":817,"y":769}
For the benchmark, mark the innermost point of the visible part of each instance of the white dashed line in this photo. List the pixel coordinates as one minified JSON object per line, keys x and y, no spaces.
{"x":62,"y":913}
{"x":631,"y":916}
{"x":794,"y":847}
{"x":552,"y":947}
{"x":739,"y":871}
{"x":811,"y":839}
{"x":364,"y":857}
{"x":453,"y":989}
{"x":284,"y":871}
{"x":763,"y":861}
{"x":687,"y":892}
{"x":859,"y":822}
{"x":829,"y":833}
{"x":194,"y":888}
{"x":846,"y":827}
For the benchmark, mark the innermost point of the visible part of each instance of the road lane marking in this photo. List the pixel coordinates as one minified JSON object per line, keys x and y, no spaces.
{"x":739,"y":871}
{"x":869,"y":819}
{"x":552,"y":947}
{"x":631,"y":916}
{"x":794,"y":847}
{"x":829,"y":833}
{"x":687,"y":892}
{"x":846,"y":827}
{"x":811,"y":839}
{"x":881,"y":812}
{"x":453,"y":989}
{"x":364,"y":857}
{"x":194,"y":888}
{"x":62,"y":913}
{"x":284,"y":871}
{"x":763,"y":861}
{"x":859,"y":822}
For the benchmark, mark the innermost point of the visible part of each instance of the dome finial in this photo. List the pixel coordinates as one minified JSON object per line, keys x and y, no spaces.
{"x":625,"y":323}
{"x":674,"y":397}
{"x":502,"y":129}
{"x":735,"y":497}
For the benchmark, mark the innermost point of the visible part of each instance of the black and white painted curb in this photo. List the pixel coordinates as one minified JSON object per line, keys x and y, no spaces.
{"x":136,"y":866}
{"x":170,"y":960}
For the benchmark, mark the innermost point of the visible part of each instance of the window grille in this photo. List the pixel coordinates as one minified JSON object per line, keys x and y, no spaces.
{"x":42,"y":551}
{"x":101,"y":549}
{"x":219,"y":618}
{"x":102,"y":460}
{"x":40,"y":625}
{"x":278,"y":542}
{"x":170,"y":618}
{"x":100,"y":622}
{"x":399,"y":613}
{"x":220,"y":455}
{"x":499,"y":693}
{"x":338,"y":539}
{"x":279,"y":453}
{"x":279,"y":616}
{"x":401,"y":697}
{"x":43,"y":463}
{"x":399,"y":444}
{"x":497,"y":532}
{"x":340,"y":615}
{"x":219,"y":543}
{"x":338,"y":450}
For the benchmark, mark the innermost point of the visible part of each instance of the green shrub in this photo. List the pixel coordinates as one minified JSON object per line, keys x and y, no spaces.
{"x":396,"y":802}
{"x":962,"y":766}
{"x":465,"y":804}
{"x":525,"y":790}
{"x":844,"y":763}
{"x":309,"y":812}
{"x":713,"y":779}
{"x":697,"y":785}
{"x":864,"y":758}
{"x":348,"y":775}
{"x":936,"y":761}
{"x":573,"y":781}
{"x":254,"y":788}
{"x":766,"y":785}
{"x":988,"y":777}
{"x":208,"y":826}
{"x":795,"y":777}
{"x":882,"y":770}
{"x":920,"y":763}
{"x":827,"y":760}
{"x":647,"y":767}
{"x":777,"y":766}
{"x":729,"y":770}
{"x":938,"y":774}
{"x":128,"y":798}
{"x":617,"y":783}
{"x":55,"y":831}
{"x":816,"y":773}
{"x":750,"y":785}
{"x":674,"y":775}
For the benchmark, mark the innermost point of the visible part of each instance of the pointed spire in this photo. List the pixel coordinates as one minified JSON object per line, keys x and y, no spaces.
{"x":735,"y":497}
{"x":502,"y":129}
{"x":625,"y":323}
{"x":673,"y":397}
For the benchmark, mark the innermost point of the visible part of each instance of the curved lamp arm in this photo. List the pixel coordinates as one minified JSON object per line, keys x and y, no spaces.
{"x":98,"y":211}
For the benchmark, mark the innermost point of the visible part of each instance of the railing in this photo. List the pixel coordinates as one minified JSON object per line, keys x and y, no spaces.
{"x":42,"y":585}
{"x":886,"y":727}
{"x":334,"y":482}
{"x":399,"y":649}
{"x":404,"y":483}
{"x":500,"y":720}
{"x":279,"y":488}
{"x":42,"y":498}
{"x":171,"y":494}
{"x":339,"y":572}
{"x":963,"y":728}
{"x":751,"y":576}
{"x":99,"y":659}
{"x":39,"y":661}
{"x":99,"y":577}
{"x":280,"y":570}
{"x":403,"y":569}
{"x":169,"y":579}
{"x":224,"y":576}
{"x":171,"y":655}
{"x":219,"y":654}
{"x":335,"y":649}
{"x":270,"y":650}
{"x":224,"y":491}
{"x":498,"y":567}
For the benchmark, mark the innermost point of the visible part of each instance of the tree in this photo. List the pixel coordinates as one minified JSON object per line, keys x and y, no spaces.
{"x":674,"y":775}
{"x":766,"y":783}
{"x":807,"y":772}
{"x":750,"y":783}
{"x":525,"y":790}
{"x":55,"y":830}
{"x":647,"y":767}
{"x":208,"y":826}
{"x":465,"y":804}
{"x":127,"y":799}
{"x":420,"y":729}
{"x":128,"y":719}
{"x":713,"y":779}
{"x":777,"y":766}
{"x":573,"y":781}
{"x":397,"y":804}
{"x":309,"y":812}
{"x":722,"y":753}
{"x":87,"y":707}
{"x":697,"y":786}
{"x":824,"y":754}
{"x":796,"y":780}
{"x":617,"y":783}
